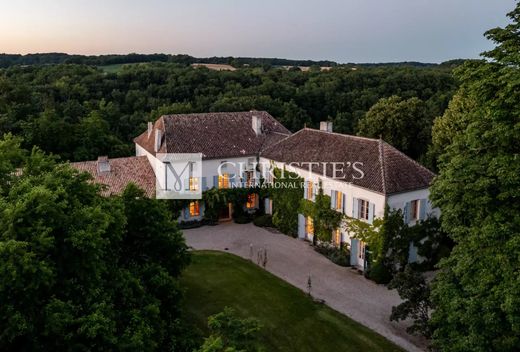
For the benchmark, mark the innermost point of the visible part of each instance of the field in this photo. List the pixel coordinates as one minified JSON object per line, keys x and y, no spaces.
{"x":291,"y":320}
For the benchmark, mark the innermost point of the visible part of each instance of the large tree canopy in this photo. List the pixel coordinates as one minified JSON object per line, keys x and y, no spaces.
{"x":79,"y":271}
{"x":404,"y":123}
{"x":477,"y":293}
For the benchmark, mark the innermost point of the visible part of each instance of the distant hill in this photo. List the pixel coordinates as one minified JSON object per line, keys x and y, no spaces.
{"x":7,"y":60}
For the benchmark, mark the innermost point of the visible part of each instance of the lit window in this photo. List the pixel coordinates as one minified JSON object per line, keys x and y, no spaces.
{"x":251,"y":201}
{"x":309,"y":226}
{"x":339,"y":200}
{"x":194,"y":184}
{"x":223,"y":181}
{"x":361,"y":250}
{"x":194,"y":209}
{"x":337,"y":237}
{"x":363,"y":209}
{"x":309,"y":190}
{"x":414,"y":210}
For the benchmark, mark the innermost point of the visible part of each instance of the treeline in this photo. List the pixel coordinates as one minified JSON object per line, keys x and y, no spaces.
{"x":80,"y":112}
{"x":8,"y":60}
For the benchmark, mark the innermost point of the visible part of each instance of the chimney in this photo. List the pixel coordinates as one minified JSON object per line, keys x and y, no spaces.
{"x":158,"y":137}
{"x":103,"y":165}
{"x":326,"y":126}
{"x":257,"y":124}
{"x":150,"y":129}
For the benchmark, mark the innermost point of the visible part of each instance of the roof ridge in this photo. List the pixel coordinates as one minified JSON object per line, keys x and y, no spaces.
{"x":341,"y":134}
{"x":281,"y":140}
{"x":215,"y":113}
{"x":382,"y":163}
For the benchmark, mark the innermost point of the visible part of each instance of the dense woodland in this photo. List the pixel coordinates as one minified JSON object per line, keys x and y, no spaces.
{"x":83,"y":272}
{"x":80,"y":111}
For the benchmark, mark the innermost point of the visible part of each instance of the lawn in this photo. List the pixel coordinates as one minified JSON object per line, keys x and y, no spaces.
{"x":291,"y":320}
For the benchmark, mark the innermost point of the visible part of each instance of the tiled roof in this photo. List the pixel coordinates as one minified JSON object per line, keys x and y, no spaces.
{"x":386,"y":170}
{"x":215,"y":135}
{"x":135,"y":169}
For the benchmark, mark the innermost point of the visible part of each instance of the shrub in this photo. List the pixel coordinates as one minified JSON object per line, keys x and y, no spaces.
{"x":263,"y":221}
{"x":190,"y":224}
{"x":339,"y":256}
{"x":243,"y":219}
{"x":379,"y":273}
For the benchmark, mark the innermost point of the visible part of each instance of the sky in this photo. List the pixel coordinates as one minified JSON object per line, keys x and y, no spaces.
{"x":338,"y":30}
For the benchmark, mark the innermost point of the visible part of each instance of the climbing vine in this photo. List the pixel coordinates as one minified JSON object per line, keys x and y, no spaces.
{"x":286,"y":193}
{"x":325,"y":219}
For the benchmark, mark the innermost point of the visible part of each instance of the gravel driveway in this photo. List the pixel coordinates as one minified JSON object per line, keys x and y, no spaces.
{"x":294,"y":260}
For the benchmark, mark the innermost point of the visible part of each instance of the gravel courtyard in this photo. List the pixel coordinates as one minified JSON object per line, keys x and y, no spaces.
{"x":294,"y":260}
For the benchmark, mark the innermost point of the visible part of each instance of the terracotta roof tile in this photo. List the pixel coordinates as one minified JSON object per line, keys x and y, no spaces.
{"x":215,"y":135}
{"x":135,"y":169}
{"x":386,"y":170}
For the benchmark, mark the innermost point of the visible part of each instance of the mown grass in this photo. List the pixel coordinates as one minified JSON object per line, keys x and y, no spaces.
{"x":291,"y":320}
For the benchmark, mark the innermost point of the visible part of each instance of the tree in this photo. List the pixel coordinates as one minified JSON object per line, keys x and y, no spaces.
{"x":230,"y":333}
{"x":79,"y":271}
{"x":405,"y":124}
{"x":476,"y":294}
{"x":415,"y":292}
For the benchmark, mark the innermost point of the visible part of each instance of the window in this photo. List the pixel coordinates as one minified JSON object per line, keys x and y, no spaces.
{"x":361,"y":250}
{"x":309,"y":226}
{"x":194,"y":184}
{"x":337,"y":237}
{"x":414,"y":210}
{"x":251,"y":201}
{"x":223,"y":181}
{"x":249,"y":178}
{"x":309,"y":190}
{"x":363,"y":209}
{"x":194,"y":209}
{"x":339,"y":201}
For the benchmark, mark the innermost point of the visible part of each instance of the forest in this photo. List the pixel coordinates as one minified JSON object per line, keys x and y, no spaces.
{"x":79,"y":111}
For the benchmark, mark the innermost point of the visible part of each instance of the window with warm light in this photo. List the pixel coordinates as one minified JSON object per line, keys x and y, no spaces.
{"x":194,"y":184}
{"x":194,"y":208}
{"x":339,"y":200}
{"x":337,"y":237}
{"x":251,"y":201}
{"x":309,"y":226}
{"x":309,"y":190}
{"x":223,"y":181}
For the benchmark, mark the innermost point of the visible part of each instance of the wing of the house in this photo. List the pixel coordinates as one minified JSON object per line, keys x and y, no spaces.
{"x":362,"y":176}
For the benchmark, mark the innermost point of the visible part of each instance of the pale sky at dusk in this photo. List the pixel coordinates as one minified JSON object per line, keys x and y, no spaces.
{"x":339,"y":30}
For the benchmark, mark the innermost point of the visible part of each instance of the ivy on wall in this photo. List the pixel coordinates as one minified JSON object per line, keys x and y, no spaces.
{"x":325,"y":219}
{"x":286,"y":193}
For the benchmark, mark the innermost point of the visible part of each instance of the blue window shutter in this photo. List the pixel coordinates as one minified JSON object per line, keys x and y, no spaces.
{"x":371,"y":210}
{"x":355,"y":208}
{"x":353,"y":251}
{"x":204,"y":184}
{"x":202,"y":209}
{"x":406,"y":212}
{"x":304,"y":190}
{"x":301,"y":226}
{"x":215,"y":182}
{"x":422,"y":209}
{"x":186,"y":213}
{"x":314,"y":191}
{"x":232,"y":181}
{"x":344,"y":204}
{"x":333,"y":195}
